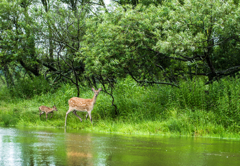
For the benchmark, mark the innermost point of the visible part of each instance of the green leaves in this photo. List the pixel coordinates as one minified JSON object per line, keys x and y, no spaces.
{"x":136,"y":40}
{"x":113,"y":41}
{"x":151,"y":43}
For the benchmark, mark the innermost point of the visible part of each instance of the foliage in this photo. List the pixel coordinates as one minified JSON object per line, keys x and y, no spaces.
{"x":18,"y":38}
{"x":10,"y":118}
{"x":188,"y":110}
{"x":132,"y":50}
{"x":146,"y":40}
{"x":157,"y":43}
{"x":28,"y":87}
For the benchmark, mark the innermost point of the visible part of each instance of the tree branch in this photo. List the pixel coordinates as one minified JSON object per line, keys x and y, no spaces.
{"x":151,"y":82}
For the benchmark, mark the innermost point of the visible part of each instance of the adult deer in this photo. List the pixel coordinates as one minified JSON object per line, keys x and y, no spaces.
{"x":43,"y":109}
{"x":82,"y":105}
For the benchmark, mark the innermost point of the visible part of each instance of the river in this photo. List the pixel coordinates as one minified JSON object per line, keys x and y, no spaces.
{"x":35,"y":146}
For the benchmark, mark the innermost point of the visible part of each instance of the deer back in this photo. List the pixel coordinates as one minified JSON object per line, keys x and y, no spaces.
{"x":80,"y":104}
{"x":47,"y":109}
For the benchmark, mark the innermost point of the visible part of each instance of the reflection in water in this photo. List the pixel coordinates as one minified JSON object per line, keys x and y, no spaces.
{"x":78,"y":148}
{"x":56,"y":147}
{"x":30,"y":147}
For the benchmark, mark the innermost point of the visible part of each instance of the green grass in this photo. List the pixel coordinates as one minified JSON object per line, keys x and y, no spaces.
{"x":191,"y":110}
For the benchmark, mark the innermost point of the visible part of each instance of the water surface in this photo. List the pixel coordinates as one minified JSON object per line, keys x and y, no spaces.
{"x":33,"y":146}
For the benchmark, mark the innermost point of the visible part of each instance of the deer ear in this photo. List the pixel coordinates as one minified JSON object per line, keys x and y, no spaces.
{"x":93,"y":89}
{"x":99,"y":89}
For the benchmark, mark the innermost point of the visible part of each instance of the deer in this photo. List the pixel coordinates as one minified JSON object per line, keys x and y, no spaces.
{"x":44,"y":109}
{"x":82,"y":105}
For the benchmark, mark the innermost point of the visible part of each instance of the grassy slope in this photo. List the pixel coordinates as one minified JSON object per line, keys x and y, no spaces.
{"x":189,"y":110}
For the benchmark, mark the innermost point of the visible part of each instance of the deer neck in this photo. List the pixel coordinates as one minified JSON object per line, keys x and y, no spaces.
{"x":94,"y":99}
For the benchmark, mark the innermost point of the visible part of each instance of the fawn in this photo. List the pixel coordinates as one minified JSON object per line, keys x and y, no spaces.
{"x":47,"y":110}
{"x":82,"y":105}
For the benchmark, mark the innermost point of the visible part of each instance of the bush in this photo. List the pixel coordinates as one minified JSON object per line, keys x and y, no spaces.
{"x":194,"y":108}
{"x":9,"y":118}
{"x":28,"y":87}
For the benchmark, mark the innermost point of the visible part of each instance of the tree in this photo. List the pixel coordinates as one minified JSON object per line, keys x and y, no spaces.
{"x":66,"y":29}
{"x":44,"y":39}
{"x":17,"y":39}
{"x":165,"y":42}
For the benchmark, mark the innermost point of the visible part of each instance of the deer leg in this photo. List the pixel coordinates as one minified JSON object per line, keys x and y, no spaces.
{"x":66,"y":116}
{"x":90,"y":116}
{"x":77,"y":115}
{"x":40,"y":112}
{"x":52,"y":115}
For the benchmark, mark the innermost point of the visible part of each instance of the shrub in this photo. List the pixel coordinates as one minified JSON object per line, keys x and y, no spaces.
{"x":28,"y":87}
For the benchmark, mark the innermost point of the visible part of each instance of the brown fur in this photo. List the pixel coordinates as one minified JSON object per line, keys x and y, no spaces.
{"x":82,"y":105}
{"x":43,"y":109}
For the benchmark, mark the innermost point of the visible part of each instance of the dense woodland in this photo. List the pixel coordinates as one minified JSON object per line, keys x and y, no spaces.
{"x":87,"y":43}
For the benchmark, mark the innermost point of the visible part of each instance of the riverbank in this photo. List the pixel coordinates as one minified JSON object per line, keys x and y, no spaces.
{"x":191,"y":110}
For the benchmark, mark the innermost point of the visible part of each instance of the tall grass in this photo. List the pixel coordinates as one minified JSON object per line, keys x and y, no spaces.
{"x":194,"y":109}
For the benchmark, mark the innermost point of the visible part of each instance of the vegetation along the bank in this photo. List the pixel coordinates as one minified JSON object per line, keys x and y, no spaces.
{"x":164,"y":66}
{"x":193,"y":109}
